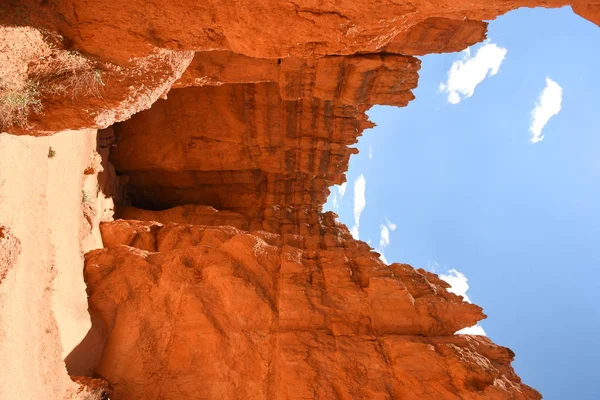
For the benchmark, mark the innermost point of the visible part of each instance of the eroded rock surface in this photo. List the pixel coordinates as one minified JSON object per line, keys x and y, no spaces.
{"x":218,"y":312}
{"x":244,"y":146}
{"x":134,"y":53}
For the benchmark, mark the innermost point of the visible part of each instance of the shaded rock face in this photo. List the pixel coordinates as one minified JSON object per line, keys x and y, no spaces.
{"x":198,"y":311}
{"x":249,"y":146}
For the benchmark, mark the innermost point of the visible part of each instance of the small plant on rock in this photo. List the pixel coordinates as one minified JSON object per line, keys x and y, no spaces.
{"x":85,"y":197}
{"x":17,"y":104}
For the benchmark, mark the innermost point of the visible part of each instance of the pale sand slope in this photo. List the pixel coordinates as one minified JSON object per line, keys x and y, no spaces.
{"x":43,"y":304}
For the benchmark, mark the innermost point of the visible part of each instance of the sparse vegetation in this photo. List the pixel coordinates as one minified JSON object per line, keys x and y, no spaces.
{"x":85,"y":197}
{"x":51,"y":152}
{"x":16,"y":105}
{"x":69,"y":72}
{"x":56,"y":74}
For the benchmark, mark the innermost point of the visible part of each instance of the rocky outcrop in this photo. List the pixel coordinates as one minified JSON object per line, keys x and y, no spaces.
{"x":590,"y":12}
{"x":45,"y":87}
{"x":260,"y":29}
{"x":219,"y":312}
{"x":246,"y":147}
{"x":96,"y":63}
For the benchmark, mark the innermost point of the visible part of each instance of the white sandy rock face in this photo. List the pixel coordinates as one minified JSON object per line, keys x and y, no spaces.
{"x":43,"y":304}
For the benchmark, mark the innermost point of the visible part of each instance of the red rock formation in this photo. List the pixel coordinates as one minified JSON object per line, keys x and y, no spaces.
{"x":249,"y":146}
{"x":115,"y":33}
{"x":141,"y":48}
{"x":217,"y":312}
{"x":590,"y":12}
{"x":66,"y":90}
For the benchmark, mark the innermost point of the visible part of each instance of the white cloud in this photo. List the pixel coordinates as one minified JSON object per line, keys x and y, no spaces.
{"x":392,"y":226}
{"x":335,"y":203}
{"x":384,"y":240}
{"x":359,"y":202}
{"x":342,"y":189}
{"x":370,"y":153}
{"x":459,"y":285}
{"x":548,"y":105}
{"x":472,"y":330}
{"x":385,"y":237}
{"x":466,"y":74}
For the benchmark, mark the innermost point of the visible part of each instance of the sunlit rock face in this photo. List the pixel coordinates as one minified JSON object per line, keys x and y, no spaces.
{"x":223,"y":279}
{"x":192,"y":310}
{"x":96,"y":63}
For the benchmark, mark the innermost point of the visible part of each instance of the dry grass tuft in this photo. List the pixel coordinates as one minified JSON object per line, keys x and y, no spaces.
{"x":16,"y":105}
{"x":36,"y":70}
{"x":68,"y":73}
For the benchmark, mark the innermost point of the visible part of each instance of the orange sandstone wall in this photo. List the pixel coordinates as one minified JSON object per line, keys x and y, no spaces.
{"x":136,"y":51}
{"x":248,"y":146}
{"x":198,"y":311}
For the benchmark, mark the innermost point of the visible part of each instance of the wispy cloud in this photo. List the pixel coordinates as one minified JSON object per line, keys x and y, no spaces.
{"x":384,"y":237}
{"x":392,"y":226}
{"x":459,"y":284}
{"x":342,"y":189}
{"x":548,"y":105}
{"x":370,"y":153}
{"x":335,"y":203}
{"x":359,"y":203}
{"x":466,"y":74}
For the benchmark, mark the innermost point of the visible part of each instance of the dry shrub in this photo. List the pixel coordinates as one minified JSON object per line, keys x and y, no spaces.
{"x":16,"y":104}
{"x":67,"y":73}
{"x":38,"y":71}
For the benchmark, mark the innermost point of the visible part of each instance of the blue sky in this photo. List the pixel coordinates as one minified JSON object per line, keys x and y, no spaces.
{"x":468,"y":190}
